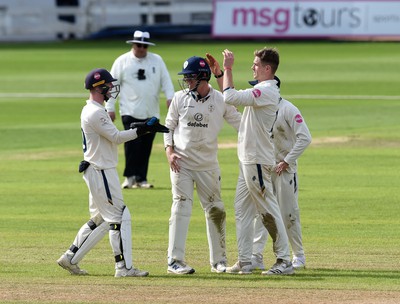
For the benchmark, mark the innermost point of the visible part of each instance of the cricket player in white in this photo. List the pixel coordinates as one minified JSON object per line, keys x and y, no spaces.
{"x":291,"y":137}
{"x":107,"y":209}
{"x":254,"y":194}
{"x":195,"y":117}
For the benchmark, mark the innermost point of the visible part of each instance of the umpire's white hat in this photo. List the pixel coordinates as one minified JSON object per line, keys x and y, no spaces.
{"x":141,"y":38}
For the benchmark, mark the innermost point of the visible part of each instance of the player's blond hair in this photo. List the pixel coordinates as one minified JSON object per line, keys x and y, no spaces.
{"x":268,"y":56}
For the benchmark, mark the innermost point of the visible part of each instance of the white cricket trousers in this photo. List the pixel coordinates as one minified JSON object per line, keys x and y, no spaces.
{"x":106,"y":201}
{"x":254,"y":195}
{"x":105,"y":194}
{"x":286,"y":190}
{"x":208,"y":185}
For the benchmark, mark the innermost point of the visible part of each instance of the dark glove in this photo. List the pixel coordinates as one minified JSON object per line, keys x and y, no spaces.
{"x":151,"y":125}
{"x":83,"y":165}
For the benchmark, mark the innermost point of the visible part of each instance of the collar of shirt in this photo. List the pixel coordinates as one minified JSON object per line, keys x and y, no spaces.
{"x":195,"y":96}
{"x":89,"y":101}
{"x":203,"y":99}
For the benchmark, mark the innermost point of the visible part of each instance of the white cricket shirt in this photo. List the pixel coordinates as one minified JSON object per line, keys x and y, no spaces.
{"x":194,"y":127}
{"x":291,"y":135}
{"x":260,"y":107}
{"x":101,"y":137}
{"x":140,"y":98}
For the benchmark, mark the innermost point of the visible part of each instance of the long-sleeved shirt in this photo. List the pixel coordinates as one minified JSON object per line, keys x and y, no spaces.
{"x":291,"y":135}
{"x":101,"y":137}
{"x":260,"y":108}
{"x":141,"y":81}
{"x":194,"y":127}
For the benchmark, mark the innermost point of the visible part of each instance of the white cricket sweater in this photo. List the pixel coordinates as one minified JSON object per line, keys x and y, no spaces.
{"x":101,"y":137}
{"x":194,"y":127}
{"x":260,"y":108}
{"x":291,"y":135}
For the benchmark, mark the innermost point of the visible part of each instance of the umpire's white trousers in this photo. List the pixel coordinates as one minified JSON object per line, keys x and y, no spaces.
{"x":208,"y":185}
{"x":254,"y":194}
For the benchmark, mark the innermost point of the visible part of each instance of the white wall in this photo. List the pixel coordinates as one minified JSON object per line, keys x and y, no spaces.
{"x":30,"y":20}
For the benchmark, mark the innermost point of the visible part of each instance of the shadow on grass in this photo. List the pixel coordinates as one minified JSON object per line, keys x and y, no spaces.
{"x":303,"y":275}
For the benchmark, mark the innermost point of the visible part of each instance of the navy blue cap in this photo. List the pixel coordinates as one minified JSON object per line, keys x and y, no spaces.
{"x":98,"y":77}
{"x":195,"y":65}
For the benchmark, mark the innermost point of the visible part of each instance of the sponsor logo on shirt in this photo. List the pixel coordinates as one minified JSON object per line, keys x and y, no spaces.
{"x":103,"y":121}
{"x":256,"y":93}
{"x":298,"y":118}
{"x":198,"y":117}
{"x":198,"y":123}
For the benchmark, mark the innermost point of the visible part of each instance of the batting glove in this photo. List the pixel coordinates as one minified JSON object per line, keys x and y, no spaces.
{"x":151,"y":125}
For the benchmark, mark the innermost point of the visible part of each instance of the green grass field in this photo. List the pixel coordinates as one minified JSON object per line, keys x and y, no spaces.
{"x":349,"y":94}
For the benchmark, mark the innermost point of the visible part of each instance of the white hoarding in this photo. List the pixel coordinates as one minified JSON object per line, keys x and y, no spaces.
{"x":306,"y":18}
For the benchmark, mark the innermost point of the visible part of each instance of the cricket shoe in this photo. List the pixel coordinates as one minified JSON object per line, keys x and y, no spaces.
{"x":257,"y":263}
{"x":240,"y":268}
{"x":281,"y":267}
{"x":179,"y":267}
{"x":144,"y":185}
{"x":129,"y":183}
{"x":299,"y":262}
{"x":65,"y":262}
{"x":219,"y":267}
{"x":133,"y":272}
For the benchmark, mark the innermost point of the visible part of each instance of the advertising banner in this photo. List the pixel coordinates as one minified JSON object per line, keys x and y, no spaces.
{"x":305,"y":19}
